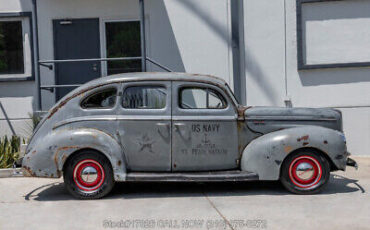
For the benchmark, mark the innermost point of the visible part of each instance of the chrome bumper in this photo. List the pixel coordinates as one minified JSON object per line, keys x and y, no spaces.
{"x":352,"y":163}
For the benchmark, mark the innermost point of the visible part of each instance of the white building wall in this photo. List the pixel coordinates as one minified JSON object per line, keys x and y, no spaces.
{"x":186,"y":36}
{"x":16,"y":98}
{"x":194,"y":36}
{"x":7,"y":6}
{"x":191,"y":36}
{"x":264,"y":52}
{"x":56,"y":9}
{"x":327,"y":28}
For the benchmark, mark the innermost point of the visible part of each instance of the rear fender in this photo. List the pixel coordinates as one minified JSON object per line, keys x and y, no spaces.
{"x":49,"y":154}
{"x":265,"y":154}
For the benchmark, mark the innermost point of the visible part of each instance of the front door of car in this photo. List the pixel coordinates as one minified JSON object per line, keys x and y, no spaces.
{"x":204,"y":128}
{"x":144,"y":125}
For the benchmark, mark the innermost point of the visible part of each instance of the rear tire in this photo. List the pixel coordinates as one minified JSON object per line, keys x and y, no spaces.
{"x":305,"y":172}
{"x":88,"y":175}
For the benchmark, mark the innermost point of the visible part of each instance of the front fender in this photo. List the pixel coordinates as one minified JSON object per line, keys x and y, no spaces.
{"x":48,"y":156}
{"x":265,"y":154}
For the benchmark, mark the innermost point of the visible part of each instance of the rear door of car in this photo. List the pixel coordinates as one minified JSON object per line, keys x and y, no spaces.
{"x":144,"y":125}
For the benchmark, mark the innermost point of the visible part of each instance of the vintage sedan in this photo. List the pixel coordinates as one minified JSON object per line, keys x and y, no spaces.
{"x":181,"y":127}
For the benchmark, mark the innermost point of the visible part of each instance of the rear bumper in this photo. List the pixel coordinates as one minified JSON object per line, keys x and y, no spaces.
{"x":27,"y":172}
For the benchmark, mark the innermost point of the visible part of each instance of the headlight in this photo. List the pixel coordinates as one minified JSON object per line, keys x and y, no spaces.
{"x":343,"y":137}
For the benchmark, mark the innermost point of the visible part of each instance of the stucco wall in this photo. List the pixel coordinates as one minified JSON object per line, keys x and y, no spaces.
{"x":55,"y":9}
{"x":16,"y":98}
{"x":270,"y":30}
{"x":264,"y":52}
{"x":185,"y":36}
{"x":192,"y":36}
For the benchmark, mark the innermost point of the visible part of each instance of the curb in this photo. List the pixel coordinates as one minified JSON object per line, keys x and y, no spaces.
{"x":13,"y":172}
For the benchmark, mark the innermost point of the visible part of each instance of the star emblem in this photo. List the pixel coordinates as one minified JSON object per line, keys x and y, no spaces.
{"x":146,"y":143}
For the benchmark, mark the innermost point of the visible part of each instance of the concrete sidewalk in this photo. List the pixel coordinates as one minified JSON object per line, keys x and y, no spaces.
{"x":30,"y":203}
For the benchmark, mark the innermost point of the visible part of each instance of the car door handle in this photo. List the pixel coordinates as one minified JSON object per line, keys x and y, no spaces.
{"x":181,"y":129}
{"x":179,"y":125}
{"x":163,"y":124}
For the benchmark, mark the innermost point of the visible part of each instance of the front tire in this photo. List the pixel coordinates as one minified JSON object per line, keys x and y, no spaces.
{"x":88,"y":175}
{"x":305,"y":172}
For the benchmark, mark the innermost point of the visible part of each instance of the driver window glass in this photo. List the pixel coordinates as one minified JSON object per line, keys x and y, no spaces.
{"x":144,"y":97}
{"x":201,"y":98}
{"x":101,"y":100}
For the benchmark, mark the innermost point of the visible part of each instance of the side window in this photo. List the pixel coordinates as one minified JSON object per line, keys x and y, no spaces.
{"x":11,"y":47}
{"x":201,"y":98}
{"x":101,"y":100}
{"x":144,"y":97}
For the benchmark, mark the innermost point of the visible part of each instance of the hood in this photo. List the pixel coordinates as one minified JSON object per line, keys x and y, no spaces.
{"x":269,"y":119}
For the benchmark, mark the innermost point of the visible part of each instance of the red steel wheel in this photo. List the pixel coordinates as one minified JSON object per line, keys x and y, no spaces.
{"x":305,"y":172}
{"x":88,"y":175}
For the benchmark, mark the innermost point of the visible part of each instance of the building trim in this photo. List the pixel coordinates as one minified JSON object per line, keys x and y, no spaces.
{"x":27,"y":14}
{"x":300,"y":54}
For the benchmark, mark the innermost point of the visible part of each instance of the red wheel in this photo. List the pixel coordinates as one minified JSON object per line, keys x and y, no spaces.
{"x":305,"y":172}
{"x":88,"y":175}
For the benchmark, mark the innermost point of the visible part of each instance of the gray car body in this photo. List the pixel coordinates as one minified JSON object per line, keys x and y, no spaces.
{"x":175,"y":140}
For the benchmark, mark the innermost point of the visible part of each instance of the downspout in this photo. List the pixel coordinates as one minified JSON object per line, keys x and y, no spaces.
{"x":237,"y":30}
{"x":143,"y":39}
{"x":36,"y":56}
{"x":287,"y":99}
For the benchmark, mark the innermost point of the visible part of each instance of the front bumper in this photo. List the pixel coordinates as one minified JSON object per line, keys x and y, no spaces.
{"x":352,"y":163}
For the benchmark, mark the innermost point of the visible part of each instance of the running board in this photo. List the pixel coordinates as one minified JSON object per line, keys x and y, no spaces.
{"x":192,"y":177}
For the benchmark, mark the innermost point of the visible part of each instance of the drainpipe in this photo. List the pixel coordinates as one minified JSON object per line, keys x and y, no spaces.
{"x":237,"y":30}
{"x":143,"y":40}
{"x":36,"y":56}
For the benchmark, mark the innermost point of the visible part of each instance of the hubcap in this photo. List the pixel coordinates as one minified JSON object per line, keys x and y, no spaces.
{"x":88,"y":175}
{"x":305,"y":172}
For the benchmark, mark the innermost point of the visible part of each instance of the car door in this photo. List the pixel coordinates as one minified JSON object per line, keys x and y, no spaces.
{"x":144,"y":125}
{"x":204,"y":128}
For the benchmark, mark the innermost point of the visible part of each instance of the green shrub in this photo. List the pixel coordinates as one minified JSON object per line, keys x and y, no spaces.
{"x":9,"y":151}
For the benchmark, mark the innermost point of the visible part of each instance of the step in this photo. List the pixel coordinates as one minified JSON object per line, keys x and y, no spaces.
{"x":192,"y":176}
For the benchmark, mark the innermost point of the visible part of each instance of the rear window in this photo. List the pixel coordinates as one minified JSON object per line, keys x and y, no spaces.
{"x":101,"y":100}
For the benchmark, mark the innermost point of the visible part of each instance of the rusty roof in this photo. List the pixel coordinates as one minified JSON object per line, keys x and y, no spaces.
{"x":155,"y":76}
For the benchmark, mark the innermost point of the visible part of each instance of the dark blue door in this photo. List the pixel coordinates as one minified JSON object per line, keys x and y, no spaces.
{"x":76,"y":39}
